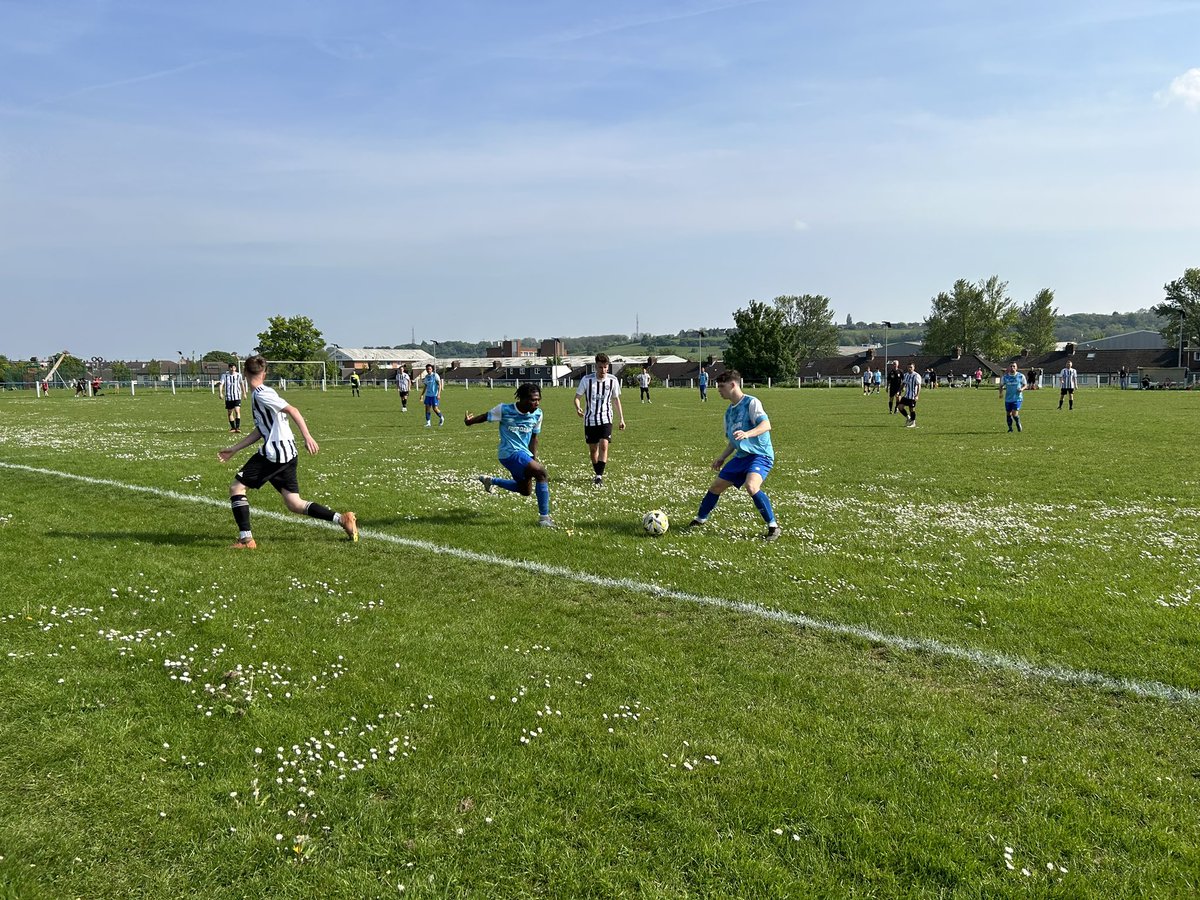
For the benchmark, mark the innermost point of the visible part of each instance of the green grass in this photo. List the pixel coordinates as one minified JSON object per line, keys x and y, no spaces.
{"x":685,"y":749}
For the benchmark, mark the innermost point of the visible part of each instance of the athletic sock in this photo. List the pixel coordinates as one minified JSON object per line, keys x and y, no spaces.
{"x":763,"y":502}
{"x":237,"y":423}
{"x":241,"y":512}
{"x":317,"y":511}
{"x":506,"y":484}
{"x":542,"y":490}
{"x":708,"y":504}
{"x":598,"y":467}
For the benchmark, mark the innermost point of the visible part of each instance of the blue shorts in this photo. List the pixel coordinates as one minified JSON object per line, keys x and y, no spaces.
{"x":431,"y":401}
{"x":1012,"y":406}
{"x":736,"y":470}
{"x":516,"y":464}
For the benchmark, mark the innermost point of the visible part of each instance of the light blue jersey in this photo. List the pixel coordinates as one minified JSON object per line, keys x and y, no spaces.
{"x":703,"y":379}
{"x":432,"y":383}
{"x":516,"y":428}
{"x":1013,"y":385}
{"x":746,"y":414}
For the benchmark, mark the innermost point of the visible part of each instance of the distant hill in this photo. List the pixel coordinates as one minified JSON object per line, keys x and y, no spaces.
{"x":688,"y":343}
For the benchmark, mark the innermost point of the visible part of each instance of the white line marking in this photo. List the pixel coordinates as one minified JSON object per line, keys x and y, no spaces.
{"x":985,"y":660}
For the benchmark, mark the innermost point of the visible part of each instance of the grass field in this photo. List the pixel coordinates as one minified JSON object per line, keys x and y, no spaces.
{"x":969,"y":668}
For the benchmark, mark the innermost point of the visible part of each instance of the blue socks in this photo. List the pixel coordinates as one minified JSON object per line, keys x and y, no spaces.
{"x":707,"y":505}
{"x":763,"y":502}
{"x":542,"y":490}
{"x":506,"y":484}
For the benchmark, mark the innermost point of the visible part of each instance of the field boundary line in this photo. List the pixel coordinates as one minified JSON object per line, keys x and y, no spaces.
{"x":981,"y":658}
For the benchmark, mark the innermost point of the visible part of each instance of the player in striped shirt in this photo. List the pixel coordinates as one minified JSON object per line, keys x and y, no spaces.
{"x":403,"y":386}
{"x":1012,"y":388}
{"x":520,"y":425}
{"x":1068,"y":380}
{"x":233,"y":386}
{"x":275,"y":461}
{"x":910,"y":390}
{"x":749,"y":451}
{"x":599,"y":393}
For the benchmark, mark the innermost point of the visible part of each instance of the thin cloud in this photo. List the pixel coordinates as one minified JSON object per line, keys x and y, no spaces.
{"x":1184,"y":89}
{"x":138,"y":79}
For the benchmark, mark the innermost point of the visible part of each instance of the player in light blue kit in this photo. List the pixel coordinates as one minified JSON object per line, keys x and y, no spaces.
{"x":1012,"y":387}
{"x":748,"y":431}
{"x":520,"y":425}
{"x":433,"y":394}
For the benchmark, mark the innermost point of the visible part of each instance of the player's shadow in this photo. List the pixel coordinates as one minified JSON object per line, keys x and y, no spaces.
{"x":442,"y":517}
{"x":166,"y":538}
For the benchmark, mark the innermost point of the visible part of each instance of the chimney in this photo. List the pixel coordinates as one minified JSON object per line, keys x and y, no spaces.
{"x":1024,"y":352}
{"x":455,"y":364}
{"x":651,"y":360}
{"x":495,"y":363}
{"x":1070,"y":348}
{"x":870,"y":353}
{"x":958,"y":352}
{"x":710,"y":359}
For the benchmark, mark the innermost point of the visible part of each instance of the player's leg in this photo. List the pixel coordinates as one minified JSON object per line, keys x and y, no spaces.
{"x":719,"y":486}
{"x":754,"y":482}
{"x":536,"y":473}
{"x":241,"y":515}
{"x":301,"y":507}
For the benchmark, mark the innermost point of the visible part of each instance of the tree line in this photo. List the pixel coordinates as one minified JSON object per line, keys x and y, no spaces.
{"x":775,"y":339}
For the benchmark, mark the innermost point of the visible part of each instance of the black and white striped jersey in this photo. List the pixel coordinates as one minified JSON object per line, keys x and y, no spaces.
{"x":233,"y":385}
{"x":912,"y":385}
{"x":597,"y":394}
{"x":272,"y":423}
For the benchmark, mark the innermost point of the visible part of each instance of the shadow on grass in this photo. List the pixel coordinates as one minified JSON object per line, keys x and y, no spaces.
{"x":168,"y":538}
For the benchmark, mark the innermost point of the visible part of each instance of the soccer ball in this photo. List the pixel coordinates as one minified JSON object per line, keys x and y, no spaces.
{"x":656,"y":522}
{"x":856,"y":370}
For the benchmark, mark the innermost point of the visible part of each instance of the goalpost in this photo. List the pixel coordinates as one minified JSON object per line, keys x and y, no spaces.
{"x":299,"y":362}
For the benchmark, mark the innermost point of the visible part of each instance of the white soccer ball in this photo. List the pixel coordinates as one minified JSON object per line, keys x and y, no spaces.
{"x":656,"y":522}
{"x":856,"y":370}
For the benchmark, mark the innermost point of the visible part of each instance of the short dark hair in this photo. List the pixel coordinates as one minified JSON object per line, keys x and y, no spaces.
{"x":254,"y":365}
{"x":730,"y":375}
{"x":602,"y":358}
{"x":232,"y":364}
{"x":526,"y":390}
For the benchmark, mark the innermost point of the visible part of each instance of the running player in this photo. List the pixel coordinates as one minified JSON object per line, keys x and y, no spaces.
{"x":275,"y":461}
{"x":520,"y":425}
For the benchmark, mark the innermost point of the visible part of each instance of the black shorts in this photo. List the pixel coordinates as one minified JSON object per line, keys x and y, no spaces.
{"x":259,"y":471}
{"x":404,"y":396}
{"x":594,"y":434}
{"x":908,"y":402}
{"x":1066,"y":391}
{"x":232,"y":404}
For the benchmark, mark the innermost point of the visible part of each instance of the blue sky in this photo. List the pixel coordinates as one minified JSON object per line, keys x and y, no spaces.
{"x":171,"y":174}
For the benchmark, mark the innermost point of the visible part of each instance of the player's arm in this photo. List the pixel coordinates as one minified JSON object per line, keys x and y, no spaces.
{"x":620,"y":412}
{"x":533,"y":445}
{"x":730,"y":449}
{"x":309,"y":444}
{"x":249,"y":440}
{"x":469,"y":419}
{"x":761,"y":428}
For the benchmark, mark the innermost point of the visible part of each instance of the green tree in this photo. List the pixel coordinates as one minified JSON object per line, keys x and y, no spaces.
{"x":979,"y":318}
{"x":759,"y":347}
{"x":121,"y":370}
{"x":1181,"y":308}
{"x":221,"y":356}
{"x":296,"y":338}
{"x":1035,"y":323}
{"x":154,"y":369}
{"x":809,"y":326}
